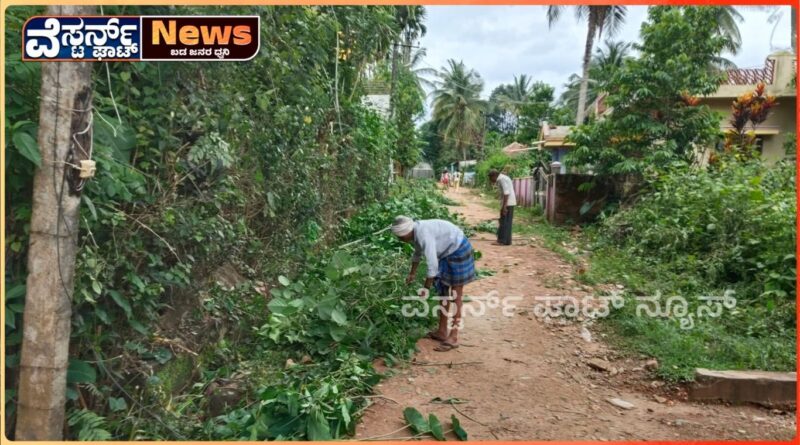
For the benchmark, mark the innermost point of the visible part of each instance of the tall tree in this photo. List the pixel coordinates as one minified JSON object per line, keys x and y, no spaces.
{"x":605,"y":62}
{"x":727,"y":19}
{"x":498,"y":117}
{"x":64,"y":136}
{"x":413,"y":27}
{"x":657,"y":119}
{"x":607,"y":59}
{"x":412,"y":62}
{"x":598,"y":18}
{"x":410,"y":20}
{"x":537,"y":109}
{"x":431,"y":143}
{"x":776,"y":15}
{"x":513,"y":96}
{"x":457,"y":106}
{"x":505,"y":103}
{"x":408,"y":104}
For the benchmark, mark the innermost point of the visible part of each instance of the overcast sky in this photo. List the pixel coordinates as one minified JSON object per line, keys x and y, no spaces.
{"x":501,"y":41}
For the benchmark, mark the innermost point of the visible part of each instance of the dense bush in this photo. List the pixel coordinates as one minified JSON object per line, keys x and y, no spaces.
{"x":330,"y":321}
{"x":701,"y":233}
{"x":198,"y":165}
{"x":733,"y":225}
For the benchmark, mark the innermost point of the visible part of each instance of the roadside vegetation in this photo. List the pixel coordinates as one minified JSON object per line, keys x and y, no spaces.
{"x":689,"y":230}
{"x":696,"y":234}
{"x":309,"y":366}
{"x":239,"y":173}
{"x":705,"y":233}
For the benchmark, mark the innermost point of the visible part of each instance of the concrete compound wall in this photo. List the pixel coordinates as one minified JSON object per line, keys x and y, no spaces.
{"x":566,"y":196}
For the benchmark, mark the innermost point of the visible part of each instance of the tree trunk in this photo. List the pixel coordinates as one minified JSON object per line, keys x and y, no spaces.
{"x":587,"y":58}
{"x":65,"y":96}
{"x":394,"y":77}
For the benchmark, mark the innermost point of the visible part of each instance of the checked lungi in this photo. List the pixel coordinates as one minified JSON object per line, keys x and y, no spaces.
{"x":456,"y":269}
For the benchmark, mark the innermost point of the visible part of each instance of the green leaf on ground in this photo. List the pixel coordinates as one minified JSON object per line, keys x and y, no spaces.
{"x":436,"y":427}
{"x":416,"y":420}
{"x":317,"y":427}
{"x":460,"y":433}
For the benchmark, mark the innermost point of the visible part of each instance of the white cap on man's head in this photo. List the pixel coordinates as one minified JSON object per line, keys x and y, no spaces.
{"x":402,"y":225}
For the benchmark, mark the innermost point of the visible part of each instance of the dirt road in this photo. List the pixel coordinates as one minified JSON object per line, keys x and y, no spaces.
{"x":521,"y":378}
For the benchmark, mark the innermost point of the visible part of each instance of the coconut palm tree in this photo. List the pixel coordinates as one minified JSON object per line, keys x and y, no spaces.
{"x":727,"y":20}
{"x":598,"y":18}
{"x":413,"y":62}
{"x":457,"y":106}
{"x":515,"y":94}
{"x":775,"y":16}
{"x":608,"y":58}
{"x":410,"y":20}
{"x":572,"y":88}
{"x":604,"y":62}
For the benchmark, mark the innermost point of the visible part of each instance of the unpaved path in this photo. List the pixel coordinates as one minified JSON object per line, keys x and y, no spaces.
{"x":526,"y":379}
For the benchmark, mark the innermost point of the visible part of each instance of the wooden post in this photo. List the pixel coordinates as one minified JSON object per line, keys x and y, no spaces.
{"x":65,"y":111}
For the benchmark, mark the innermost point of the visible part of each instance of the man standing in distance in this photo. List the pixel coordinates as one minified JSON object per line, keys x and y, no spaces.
{"x":507,"y":203}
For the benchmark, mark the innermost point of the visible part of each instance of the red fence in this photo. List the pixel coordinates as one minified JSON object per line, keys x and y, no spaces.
{"x":523,"y":190}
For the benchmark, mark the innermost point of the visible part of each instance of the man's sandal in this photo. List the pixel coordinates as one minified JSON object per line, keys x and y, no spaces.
{"x":434,"y":336}
{"x":445,"y":346}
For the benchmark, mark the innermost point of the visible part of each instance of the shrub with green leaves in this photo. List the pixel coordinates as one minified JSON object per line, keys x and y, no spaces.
{"x":700,"y":233}
{"x":198,"y":165}
{"x":514,"y":167}
{"x":656,"y":119}
{"x":328,"y":323}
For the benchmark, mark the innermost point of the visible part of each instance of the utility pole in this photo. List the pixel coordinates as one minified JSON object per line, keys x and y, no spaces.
{"x":65,"y":136}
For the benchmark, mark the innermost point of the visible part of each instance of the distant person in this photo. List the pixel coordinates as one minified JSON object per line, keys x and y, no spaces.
{"x":451,"y":264}
{"x":456,"y":179}
{"x":507,"y":203}
{"x":445,"y":178}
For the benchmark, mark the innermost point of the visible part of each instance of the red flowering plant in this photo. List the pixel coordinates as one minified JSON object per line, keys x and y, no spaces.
{"x":748,"y":112}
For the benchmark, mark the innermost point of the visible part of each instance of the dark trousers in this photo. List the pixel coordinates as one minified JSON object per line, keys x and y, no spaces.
{"x":504,"y":229}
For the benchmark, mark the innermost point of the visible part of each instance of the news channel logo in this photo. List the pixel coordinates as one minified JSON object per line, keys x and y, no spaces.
{"x":140,"y":38}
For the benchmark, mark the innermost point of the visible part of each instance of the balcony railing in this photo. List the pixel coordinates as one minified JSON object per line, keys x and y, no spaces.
{"x":752,"y":76}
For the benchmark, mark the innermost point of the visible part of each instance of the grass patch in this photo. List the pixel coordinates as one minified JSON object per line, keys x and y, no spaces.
{"x":744,"y":338}
{"x":699,"y":233}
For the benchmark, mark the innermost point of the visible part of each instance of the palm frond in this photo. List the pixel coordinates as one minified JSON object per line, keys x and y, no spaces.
{"x":553,"y":14}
